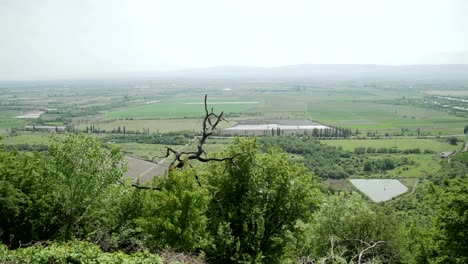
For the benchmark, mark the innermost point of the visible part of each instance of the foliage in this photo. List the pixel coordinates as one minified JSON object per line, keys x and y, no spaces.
{"x":28,"y":147}
{"x":28,"y":209}
{"x":79,"y":170}
{"x":172,"y":215}
{"x":325,"y":161}
{"x":451,"y":221}
{"x":110,"y":223}
{"x":455,"y":167}
{"x":344,"y":226}
{"x":453,"y":140}
{"x":74,"y":252}
{"x":256,"y":199}
{"x":175,"y":215}
{"x":171,"y":138}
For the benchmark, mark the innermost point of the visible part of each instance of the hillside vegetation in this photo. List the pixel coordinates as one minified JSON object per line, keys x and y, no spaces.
{"x":258,"y":207}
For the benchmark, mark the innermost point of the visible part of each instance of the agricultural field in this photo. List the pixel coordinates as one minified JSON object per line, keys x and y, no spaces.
{"x":178,"y":105}
{"x":392,"y":114}
{"x":182,"y":108}
{"x":29,"y":138}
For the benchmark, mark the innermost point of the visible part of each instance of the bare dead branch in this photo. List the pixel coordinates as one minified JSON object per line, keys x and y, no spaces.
{"x":209,"y":125}
{"x":370,"y":245}
{"x":144,"y":187}
{"x":181,"y":158}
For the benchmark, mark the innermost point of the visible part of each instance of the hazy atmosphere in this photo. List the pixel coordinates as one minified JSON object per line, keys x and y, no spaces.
{"x":68,"y":39}
{"x":213,"y":132}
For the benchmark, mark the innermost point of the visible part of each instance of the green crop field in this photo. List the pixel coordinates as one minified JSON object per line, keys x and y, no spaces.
{"x":181,"y":108}
{"x":29,"y":138}
{"x":8,"y":120}
{"x":369,"y":116}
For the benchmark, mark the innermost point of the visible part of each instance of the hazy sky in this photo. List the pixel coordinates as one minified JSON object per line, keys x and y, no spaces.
{"x":60,"y":38}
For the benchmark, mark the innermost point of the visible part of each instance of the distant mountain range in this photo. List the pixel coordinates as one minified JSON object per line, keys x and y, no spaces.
{"x":325,"y":72}
{"x":318,"y":71}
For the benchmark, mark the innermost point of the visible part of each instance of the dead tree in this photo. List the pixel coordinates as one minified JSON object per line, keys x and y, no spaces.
{"x":209,"y":126}
{"x":181,"y":158}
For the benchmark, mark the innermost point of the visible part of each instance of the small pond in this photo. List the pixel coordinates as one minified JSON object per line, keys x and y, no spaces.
{"x":379,"y":190}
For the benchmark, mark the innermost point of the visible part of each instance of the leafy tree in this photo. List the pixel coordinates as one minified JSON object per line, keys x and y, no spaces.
{"x":111,"y":222}
{"x":80,"y":169}
{"x":451,"y":223}
{"x":368,"y":166}
{"x":256,"y":200}
{"x":27,"y":206}
{"x":169,"y":214}
{"x":175,"y":214}
{"x":345,"y":226}
{"x":453,"y":140}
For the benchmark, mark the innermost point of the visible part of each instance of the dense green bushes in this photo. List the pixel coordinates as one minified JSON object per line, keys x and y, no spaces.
{"x":74,"y":252}
{"x":325,"y":161}
{"x":172,"y":138}
{"x":256,"y":200}
{"x":344,"y":226}
{"x":257,"y":207}
{"x":238,"y":211}
{"x":28,"y":208}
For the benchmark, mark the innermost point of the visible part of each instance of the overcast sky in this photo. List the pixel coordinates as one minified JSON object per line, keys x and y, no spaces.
{"x":61,"y":38}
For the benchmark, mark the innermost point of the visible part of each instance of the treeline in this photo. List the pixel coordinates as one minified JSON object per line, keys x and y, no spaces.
{"x":325,"y":161}
{"x":27,"y":147}
{"x":364,"y":150}
{"x":334,"y":132}
{"x":330,"y":162}
{"x":385,"y":164}
{"x":170,"y":138}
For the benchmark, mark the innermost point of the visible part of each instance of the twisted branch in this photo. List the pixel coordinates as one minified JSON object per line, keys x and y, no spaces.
{"x":209,"y":125}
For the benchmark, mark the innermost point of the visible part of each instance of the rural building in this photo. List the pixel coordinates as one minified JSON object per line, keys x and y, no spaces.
{"x":447,"y":154}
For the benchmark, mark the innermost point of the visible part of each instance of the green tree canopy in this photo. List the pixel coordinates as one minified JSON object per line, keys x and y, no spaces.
{"x":256,"y":200}
{"x":80,"y":169}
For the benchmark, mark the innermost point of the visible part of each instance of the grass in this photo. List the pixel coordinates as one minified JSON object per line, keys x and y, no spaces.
{"x":437,"y":145}
{"x":145,"y":151}
{"x":370,"y":116}
{"x":178,"y":109}
{"x":27,"y":138}
{"x":425,"y":165}
{"x":8,"y":120}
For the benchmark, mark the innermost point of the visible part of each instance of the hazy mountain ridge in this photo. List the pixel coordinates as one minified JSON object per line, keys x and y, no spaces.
{"x":317,"y":71}
{"x":304,"y":71}
{"x":422,"y":72}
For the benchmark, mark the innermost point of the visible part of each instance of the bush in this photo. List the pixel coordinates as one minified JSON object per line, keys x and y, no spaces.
{"x":453,"y":140}
{"x":74,"y":252}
